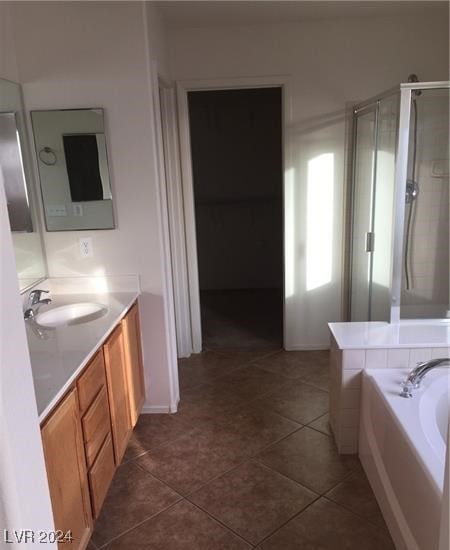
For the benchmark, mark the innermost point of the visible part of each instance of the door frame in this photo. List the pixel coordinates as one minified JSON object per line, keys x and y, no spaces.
{"x":175,"y":206}
{"x":191,"y":262}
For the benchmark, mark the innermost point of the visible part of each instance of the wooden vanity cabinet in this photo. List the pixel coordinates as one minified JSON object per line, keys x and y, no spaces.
{"x":133,"y":362}
{"x":96,"y":424}
{"x":66,"y":469}
{"x":86,"y":435}
{"x":116,"y":376}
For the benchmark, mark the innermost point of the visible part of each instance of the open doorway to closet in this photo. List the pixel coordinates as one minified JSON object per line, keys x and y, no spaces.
{"x":237,"y":164}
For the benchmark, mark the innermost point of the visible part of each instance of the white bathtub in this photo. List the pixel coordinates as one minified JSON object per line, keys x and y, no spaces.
{"x":402,"y":447}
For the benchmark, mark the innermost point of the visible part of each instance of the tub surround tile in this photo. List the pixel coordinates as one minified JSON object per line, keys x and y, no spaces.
{"x":354,"y":359}
{"x":182,"y":527}
{"x":351,"y":379}
{"x":419,"y":355}
{"x":326,"y":526}
{"x":350,"y":399}
{"x":253,"y":500}
{"x":346,"y":373}
{"x":133,"y":497}
{"x":440,"y":352}
{"x":348,"y":440}
{"x":376,"y":359}
{"x":398,"y":358}
{"x":349,"y":418}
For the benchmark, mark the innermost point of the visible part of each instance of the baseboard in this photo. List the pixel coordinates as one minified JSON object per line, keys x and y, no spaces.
{"x":156,"y":409}
{"x":307,"y":348}
{"x":174,"y":406}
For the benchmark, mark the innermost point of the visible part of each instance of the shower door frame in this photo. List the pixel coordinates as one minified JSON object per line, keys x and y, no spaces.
{"x":401,"y":174}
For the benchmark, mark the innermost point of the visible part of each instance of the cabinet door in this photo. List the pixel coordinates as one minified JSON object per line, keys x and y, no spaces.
{"x":133,"y":362}
{"x":66,"y":470}
{"x":118,"y":392}
{"x":101,"y":474}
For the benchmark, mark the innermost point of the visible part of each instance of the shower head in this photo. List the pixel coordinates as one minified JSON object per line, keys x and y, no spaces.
{"x":414,"y":78}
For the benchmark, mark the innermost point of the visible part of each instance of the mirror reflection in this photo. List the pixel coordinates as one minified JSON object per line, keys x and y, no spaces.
{"x":73,"y":168}
{"x":17,"y":180}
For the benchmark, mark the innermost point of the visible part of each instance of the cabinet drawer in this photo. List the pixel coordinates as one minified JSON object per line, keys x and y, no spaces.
{"x":101,"y":474}
{"x":96,"y":425}
{"x":90,"y":382}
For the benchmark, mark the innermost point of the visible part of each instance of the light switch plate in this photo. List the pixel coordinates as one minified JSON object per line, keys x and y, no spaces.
{"x":86,"y":250}
{"x":56,"y":210}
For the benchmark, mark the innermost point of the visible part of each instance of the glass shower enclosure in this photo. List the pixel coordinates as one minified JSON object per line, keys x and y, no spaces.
{"x":399,"y":248}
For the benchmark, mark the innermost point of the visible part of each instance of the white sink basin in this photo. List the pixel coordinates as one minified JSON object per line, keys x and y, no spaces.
{"x":71,"y":314}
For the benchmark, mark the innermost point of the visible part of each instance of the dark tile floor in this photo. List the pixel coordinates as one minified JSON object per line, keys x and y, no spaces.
{"x":247,"y":462}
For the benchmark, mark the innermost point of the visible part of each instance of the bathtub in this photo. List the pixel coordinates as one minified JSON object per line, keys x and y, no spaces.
{"x":402,"y":447}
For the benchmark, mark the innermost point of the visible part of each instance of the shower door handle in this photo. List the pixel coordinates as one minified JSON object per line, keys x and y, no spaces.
{"x":370,"y":241}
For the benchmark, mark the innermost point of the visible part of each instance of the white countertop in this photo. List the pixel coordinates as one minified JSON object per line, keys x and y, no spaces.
{"x":433,"y":333}
{"x":59,"y":354}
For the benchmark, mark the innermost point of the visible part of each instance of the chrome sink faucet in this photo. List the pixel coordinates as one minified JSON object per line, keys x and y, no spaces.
{"x":35,"y":302}
{"x":415,"y":377}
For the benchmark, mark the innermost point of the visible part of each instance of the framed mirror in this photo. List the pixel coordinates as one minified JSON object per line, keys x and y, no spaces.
{"x":73,"y":169}
{"x":17,"y":179}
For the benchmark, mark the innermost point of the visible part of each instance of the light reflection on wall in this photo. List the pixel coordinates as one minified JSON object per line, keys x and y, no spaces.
{"x":100,"y":281}
{"x":319,"y":221}
{"x":289,"y":232}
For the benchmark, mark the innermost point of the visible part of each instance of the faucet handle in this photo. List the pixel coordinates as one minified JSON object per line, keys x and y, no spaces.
{"x":407,"y":389}
{"x":35,"y":295}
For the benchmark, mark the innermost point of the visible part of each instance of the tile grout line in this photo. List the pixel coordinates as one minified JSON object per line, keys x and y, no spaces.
{"x":236,"y":367}
{"x":241,"y":461}
{"x":352,"y":511}
{"x":220,"y":522}
{"x":123,"y":533}
{"x":306,"y":486}
{"x":290,"y":519}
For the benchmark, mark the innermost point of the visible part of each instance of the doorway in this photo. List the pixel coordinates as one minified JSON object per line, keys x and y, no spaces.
{"x":237,"y":162}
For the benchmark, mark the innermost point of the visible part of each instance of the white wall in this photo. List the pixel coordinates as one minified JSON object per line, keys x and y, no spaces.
{"x":8,"y":62}
{"x":86,"y":54}
{"x":24,"y":497}
{"x":332,"y":64}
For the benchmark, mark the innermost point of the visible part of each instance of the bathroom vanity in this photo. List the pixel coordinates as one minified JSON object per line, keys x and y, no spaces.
{"x":90,"y":390}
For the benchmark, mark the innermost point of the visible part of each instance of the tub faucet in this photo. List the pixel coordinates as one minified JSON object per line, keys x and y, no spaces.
{"x":35,"y":302}
{"x":415,"y":377}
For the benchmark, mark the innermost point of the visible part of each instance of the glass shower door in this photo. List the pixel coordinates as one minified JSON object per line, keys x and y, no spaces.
{"x":374,"y":155}
{"x":364,"y":154}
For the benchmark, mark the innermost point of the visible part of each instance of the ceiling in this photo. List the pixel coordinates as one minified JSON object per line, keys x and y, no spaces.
{"x":212,"y":13}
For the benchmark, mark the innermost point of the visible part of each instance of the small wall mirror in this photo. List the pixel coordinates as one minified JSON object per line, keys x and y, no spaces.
{"x":73,"y":168}
{"x":17,"y":179}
